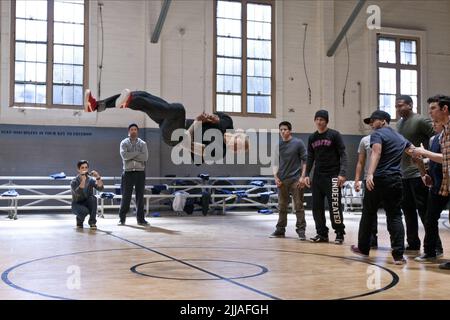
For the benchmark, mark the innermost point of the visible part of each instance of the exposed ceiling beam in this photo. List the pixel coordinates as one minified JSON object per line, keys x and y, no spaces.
{"x":161,"y":19}
{"x":347,"y":26}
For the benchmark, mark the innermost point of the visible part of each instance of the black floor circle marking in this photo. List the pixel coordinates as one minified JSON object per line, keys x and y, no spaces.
{"x":261,"y":272}
{"x":5,"y":274}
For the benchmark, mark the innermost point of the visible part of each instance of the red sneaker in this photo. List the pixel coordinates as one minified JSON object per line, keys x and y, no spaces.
{"x":124,"y":99}
{"x":90,"y":104}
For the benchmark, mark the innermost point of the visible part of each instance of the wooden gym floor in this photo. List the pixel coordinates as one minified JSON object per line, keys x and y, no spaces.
{"x":226,"y":257}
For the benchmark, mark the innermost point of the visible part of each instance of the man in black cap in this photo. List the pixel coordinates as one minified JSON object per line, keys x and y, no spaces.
{"x":384,"y":184}
{"x":326,"y":150}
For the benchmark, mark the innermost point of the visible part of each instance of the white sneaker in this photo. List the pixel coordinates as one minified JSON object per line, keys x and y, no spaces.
{"x":123,"y":100}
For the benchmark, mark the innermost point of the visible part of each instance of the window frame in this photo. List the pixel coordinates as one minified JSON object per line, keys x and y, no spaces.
{"x":50,"y":60}
{"x":398,"y":66}
{"x":244,"y":112}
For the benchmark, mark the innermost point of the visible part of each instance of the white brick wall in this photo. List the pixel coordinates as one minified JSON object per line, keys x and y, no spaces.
{"x":179,"y":67}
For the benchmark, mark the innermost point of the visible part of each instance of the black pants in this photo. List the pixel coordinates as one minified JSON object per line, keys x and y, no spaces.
{"x":132,"y":179}
{"x":83,"y":208}
{"x":326,"y":186}
{"x":373,"y":237}
{"x":169,"y":116}
{"x":432,"y":241}
{"x":415,"y":195}
{"x":388,"y":189}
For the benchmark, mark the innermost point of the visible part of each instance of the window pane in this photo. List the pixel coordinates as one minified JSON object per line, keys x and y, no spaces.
{"x":57,"y":94}
{"x":78,"y":55}
{"x":229,"y":47}
{"x":258,"y":104}
{"x":259,"y":12}
{"x":30,"y":72}
{"x":41,"y":52}
{"x":258,"y":85}
{"x":78,"y":75}
{"x":68,"y":95}
{"x":228,"y":84}
{"x":78,"y":95}
{"x":20,"y":51}
{"x":68,"y":54}
{"x":67,"y":74}
{"x":229,"y":66}
{"x":20,"y":29}
{"x":386,"y":50}
{"x":41,"y":72}
{"x":78,"y":37}
{"x":388,"y":82}
{"x":227,"y":9}
{"x":408,"y":52}
{"x":229,"y":28}
{"x":20,"y":71}
{"x":228,"y":103}
{"x":30,"y":93}
{"x":69,"y":11}
{"x":41,"y":94}
{"x":35,"y":30}
{"x":259,"y":68}
{"x":387,"y":103}
{"x":30,"y":52}
{"x":408,"y":82}
{"x":258,"y":30}
{"x":36,"y":10}
{"x":259,"y":49}
{"x":57,"y":73}
{"x":19,"y":93}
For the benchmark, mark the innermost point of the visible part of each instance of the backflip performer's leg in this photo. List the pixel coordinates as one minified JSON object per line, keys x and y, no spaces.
{"x":169,"y":116}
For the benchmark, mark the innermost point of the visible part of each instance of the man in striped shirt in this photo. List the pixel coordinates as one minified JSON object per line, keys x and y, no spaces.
{"x":438,"y":110}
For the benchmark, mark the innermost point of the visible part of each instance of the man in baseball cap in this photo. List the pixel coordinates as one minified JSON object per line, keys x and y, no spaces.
{"x":380,"y":115}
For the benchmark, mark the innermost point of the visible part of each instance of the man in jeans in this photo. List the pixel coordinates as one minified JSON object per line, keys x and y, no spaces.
{"x":418,"y":130}
{"x":438,"y":109}
{"x":134,"y":154}
{"x":364,"y":152}
{"x":383,"y":183}
{"x":289,"y":165}
{"x":84,"y":201}
{"x":436,"y":203}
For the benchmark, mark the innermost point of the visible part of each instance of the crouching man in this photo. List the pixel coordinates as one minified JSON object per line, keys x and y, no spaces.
{"x":83,"y":200}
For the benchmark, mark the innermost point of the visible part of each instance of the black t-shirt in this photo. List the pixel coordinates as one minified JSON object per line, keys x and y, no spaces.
{"x":327,"y":151}
{"x":393,"y":145}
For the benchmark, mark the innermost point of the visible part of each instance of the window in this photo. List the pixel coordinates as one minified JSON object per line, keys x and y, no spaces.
{"x":244,"y":49}
{"x":49,"y":66}
{"x":398,"y":71}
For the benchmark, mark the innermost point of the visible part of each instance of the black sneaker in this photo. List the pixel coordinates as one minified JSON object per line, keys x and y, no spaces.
{"x":445,"y":266}
{"x":319,"y":238}
{"x":121,"y":223}
{"x":143,"y":223}
{"x":425,"y":258}
{"x":339,"y":238}
{"x":356,"y":250}
{"x":93,"y":227}
{"x":277,"y":234}
{"x":301,"y":235}
{"x":399,"y":260}
{"x":439,"y":253}
{"x":79,"y":226}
